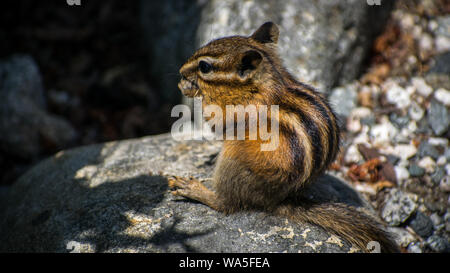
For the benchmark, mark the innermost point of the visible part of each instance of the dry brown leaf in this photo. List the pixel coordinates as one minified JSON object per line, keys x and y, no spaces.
{"x":367,"y":172}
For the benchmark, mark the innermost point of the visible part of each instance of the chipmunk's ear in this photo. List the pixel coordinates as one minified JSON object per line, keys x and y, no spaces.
{"x":249,"y":62}
{"x":267,"y":33}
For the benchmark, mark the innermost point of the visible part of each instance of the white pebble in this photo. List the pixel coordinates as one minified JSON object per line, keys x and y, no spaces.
{"x":412,"y":60}
{"x":407,"y":21}
{"x":428,"y":164}
{"x":398,"y":96}
{"x":416,"y":112}
{"x":403,"y":163}
{"x":365,"y":188}
{"x":401,"y":173}
{"x":405,"y":133}
{"x":442,"y":44}
{"x":447,"y":169}
{"x":405,"y":151}
{"x":436,"y":219}
{"x":432,"y":25}
{"x":417,"y":31}
{"x":363,"y":136}
{"x":414,"y":248}
{"x":438,"y":141}
{"x":353,"y":124}
{"x":421,"y":86}
{"x":445,"y":184}
{"x":426,"y":42}
{"x":412,"y":126}
{"x":354,"y":120}
{"x":441,"y":161}
{"x":383,"y":133}
{"x":353,"y":155}
{"x":443,"y":96}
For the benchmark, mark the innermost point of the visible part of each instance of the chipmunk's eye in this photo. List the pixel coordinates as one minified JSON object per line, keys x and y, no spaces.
{"x":204,"y":67}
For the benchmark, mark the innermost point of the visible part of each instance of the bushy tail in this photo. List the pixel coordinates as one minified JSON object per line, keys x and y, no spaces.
{"x":342,"y":220}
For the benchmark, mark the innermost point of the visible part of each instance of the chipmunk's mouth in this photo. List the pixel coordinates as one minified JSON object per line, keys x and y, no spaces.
{"x":189,"y":88}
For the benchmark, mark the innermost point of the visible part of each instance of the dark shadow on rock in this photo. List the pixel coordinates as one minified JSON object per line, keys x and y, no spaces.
{"x":37,"y":219}
{"x":170,"y":235}
{"x":328,"y":189}
{"x":108,"y":221}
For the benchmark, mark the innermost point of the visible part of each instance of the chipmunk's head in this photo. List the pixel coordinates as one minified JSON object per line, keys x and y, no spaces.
{"x":230,"y":68}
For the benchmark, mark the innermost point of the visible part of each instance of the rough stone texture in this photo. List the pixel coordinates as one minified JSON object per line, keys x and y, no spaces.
{"x":441,"y":64}
{"x":24,"y":122}
{"x":399,"y":207}
{"x":343,"y":100}
{"x":322,"y":42}
{"x":422,"y":225}
{"x":112,"y":198}
{"x":438,"y":117}
{"x":438,"y":244}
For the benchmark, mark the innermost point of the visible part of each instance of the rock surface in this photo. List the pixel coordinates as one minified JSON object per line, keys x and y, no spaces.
{"x":399,"y":207}
{"x":321,"y":42}
{"x":113,"y":198}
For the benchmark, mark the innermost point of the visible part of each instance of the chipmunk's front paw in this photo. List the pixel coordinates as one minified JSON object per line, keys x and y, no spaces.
{"x":194,"y":189}
{"x":187,"y":187}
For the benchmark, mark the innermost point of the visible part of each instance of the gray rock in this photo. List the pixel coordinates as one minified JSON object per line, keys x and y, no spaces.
{"x":422,"y":225}
{"x":437,"y":176}
{"x":399,"y":121}
{"x":438,"y":117}
{"x":321,"y":42}
{"x":447,"y":154}
{"x":436,"y":219}
{"x":402,"y":237}
{"x":112,"y":198}
{"x":444,"y":184}
{"x":415,"y":247}
{"x":441,"y":64}
{"x":438,"y":244}
{"x":344,"y":99}
{"x":447,"y":221}
{"x":423,"y":127}
{"x":369,"y":120}
{"x":415,"y":170}
{"x":443,"y":22}
{"x":438,"y":80}
{"x":24,"y":122}
{"x":398,"y":207}
{"x":426,"y":149}
{"x":392,"y":159}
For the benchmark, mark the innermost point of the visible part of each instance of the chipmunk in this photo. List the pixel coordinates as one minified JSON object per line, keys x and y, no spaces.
{"x":241,"y":70}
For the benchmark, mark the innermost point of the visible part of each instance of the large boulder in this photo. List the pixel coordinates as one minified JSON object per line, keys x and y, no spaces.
{"x":25,"y":124}
{"x":114,"y":197}
{"x":322,"y":42}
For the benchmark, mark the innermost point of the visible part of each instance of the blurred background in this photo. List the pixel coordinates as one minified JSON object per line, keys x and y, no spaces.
{"x":91,"y":81}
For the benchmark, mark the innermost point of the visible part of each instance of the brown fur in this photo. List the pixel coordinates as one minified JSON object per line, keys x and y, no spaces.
{"x":247,"y":70}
